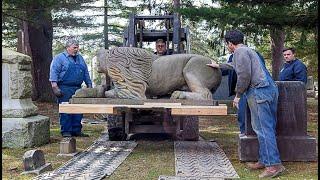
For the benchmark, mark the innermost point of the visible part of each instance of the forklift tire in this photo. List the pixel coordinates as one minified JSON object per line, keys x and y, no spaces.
{"x":116,"y":128}
{"x":190,"y":130}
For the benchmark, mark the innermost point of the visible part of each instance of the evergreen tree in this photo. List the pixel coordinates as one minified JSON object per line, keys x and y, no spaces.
{"x":255,"y":17}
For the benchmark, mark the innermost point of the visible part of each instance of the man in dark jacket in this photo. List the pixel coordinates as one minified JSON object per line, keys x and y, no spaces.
{"x":293,"y":69}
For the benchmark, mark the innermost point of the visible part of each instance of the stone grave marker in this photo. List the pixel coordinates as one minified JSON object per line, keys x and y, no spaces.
{"x":21,"y":124}
{"x":34,"y":162}
{"x":293,"y":141}
{"x":68,"y":147}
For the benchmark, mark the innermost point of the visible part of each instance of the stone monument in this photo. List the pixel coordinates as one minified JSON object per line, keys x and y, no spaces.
{"x":68,"y":147}
{"x":21,"y":124}
{"x":34,"y":162}
{"x":293,"y":142}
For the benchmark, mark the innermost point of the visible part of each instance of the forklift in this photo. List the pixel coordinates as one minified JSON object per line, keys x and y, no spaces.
{"x":177,"y":38}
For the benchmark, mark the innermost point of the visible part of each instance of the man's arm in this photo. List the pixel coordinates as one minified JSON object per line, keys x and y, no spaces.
{"x":300,"y":72}
{"x":242,"y":65}
{"x":222,"y":65}
{"x":55,"y":68}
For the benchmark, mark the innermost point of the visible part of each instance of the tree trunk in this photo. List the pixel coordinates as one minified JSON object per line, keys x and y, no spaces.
{"x":277,"y":35}
{"x":40,"y":34}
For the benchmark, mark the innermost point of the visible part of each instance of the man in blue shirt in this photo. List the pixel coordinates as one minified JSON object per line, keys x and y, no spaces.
{"x":67,"y":72}
{"x":293,"y":69}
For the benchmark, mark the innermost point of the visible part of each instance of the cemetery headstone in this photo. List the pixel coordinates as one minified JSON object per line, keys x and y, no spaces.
{"x":21,"y":124}
{"x":34,"y":162}
{"x":68,"y":147}
{"x":293,"y":142}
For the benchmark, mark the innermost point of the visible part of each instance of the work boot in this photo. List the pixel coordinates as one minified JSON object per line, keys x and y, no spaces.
{"x":272,"y":171}
{"x":66,"y":134}
{"x":255,"y":166}
{"x":81,"y":134}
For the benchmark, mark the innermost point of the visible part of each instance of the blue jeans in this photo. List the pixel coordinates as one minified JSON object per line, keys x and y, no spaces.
{"x":262,"y":103}
{"x":241,"y":113}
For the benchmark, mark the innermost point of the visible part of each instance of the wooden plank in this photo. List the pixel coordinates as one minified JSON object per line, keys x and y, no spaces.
{"x":86,"y":109}
{"x":154,"y":104}
{"x":112,"y":109}
{"x":203,"y":111}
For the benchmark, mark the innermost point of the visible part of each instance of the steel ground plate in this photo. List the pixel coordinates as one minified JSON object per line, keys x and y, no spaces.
{"x":202,"y":159}
{"x":187,"y":178}
{"x":98,"y":161}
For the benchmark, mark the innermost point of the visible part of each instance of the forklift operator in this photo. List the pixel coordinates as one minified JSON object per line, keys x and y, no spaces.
{"x":161,"y":48}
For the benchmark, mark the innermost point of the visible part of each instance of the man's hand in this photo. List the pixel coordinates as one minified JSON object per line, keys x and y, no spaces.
{"x":213,"y":65}
{"x":57,"y":91}
{"x":236,"y":102}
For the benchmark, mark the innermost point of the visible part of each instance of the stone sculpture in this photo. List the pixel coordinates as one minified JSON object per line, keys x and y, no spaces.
{"x":139,"y":74}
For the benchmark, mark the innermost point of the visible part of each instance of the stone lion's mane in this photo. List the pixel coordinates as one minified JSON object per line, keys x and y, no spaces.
{"x":130,"y":69}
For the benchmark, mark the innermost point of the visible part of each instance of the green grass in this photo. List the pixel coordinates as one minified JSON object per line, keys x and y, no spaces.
{"x":12,"y":161}
{"x":150,"y":159}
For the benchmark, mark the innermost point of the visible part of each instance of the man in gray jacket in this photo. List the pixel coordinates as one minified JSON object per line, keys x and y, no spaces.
{"x":254,"y":82}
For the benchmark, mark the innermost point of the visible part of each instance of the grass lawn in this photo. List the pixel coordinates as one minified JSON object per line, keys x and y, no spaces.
{"x":150,"y":159}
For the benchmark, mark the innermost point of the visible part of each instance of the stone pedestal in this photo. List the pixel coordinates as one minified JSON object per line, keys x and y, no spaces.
{"x":68,"y":147}
{"x":293,"y":142}
{"x":21,"y":126}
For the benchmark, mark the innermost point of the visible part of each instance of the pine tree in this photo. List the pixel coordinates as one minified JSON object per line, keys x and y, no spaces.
{"x":255,"y":17}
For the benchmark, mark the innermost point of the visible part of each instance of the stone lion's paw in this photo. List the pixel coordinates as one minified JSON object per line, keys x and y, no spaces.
{"x":85,"y":92}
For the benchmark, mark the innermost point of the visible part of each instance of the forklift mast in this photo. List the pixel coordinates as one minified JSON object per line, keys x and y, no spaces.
{"x":136,"y":33}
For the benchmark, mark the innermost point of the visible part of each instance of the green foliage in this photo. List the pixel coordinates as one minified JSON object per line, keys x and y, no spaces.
{"x":255,"y":18}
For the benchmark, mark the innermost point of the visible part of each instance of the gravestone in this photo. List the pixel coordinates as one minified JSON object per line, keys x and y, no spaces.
{"x":21,"y":124}
{"x":222,"y":93}
{"x":310,"y":87}
{"x":310,"y":82}
{"x":293,"y":142}
{"x":34,"y":162}
{"x":68,"y":147}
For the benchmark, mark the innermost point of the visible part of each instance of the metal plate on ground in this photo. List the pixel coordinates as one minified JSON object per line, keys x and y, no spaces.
{"x":202,"y":159}
{"x":98,"y":161}
{"x":187,"y":178}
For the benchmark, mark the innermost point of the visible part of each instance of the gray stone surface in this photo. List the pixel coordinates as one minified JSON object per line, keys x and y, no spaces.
{"x":18,"y":108}
{"x":222,"y":93}
{"x":34,"y":162}
{"x":40,"y":170}
{"x":21,"y":126}
{"x":16,"y":94}
{"x":33,"y":159}
{"x":310,"y":82}
{"x":76,"y":100}
{"x":25,"y":132}
{"x":68,"y":145}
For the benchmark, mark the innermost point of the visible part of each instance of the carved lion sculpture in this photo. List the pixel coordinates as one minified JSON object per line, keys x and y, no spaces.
{"x":138,"y":74}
